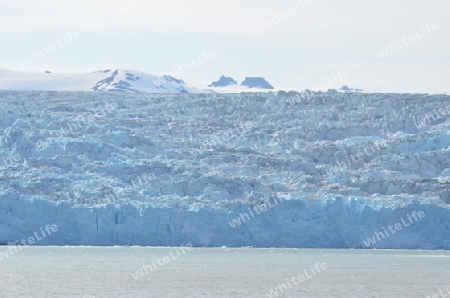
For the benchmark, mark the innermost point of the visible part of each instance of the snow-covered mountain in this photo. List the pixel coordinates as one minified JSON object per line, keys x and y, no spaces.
{"x":256,"y":82}
{"x":285,"y":169}
{"x":249,"y":84}
{"x":114,"y":80}
{"x":346,"y":88}
{"x":120,"y":80}
{"x":223,"y":82}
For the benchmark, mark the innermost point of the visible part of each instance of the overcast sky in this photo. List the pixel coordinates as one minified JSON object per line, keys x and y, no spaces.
{"x":299,"y":44}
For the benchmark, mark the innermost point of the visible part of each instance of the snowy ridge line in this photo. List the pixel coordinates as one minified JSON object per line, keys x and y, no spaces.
{"x":108,"y":80}
{"x":178,"y":168}
{"x":185,"y":67}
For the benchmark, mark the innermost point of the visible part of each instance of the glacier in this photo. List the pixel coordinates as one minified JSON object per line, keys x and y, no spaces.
{"x":167,"y":169}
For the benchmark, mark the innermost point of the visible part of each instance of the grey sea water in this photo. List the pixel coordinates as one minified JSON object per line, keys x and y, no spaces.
{"x":221,"y":272}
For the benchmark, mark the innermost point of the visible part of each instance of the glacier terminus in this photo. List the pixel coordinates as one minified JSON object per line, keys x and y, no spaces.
{"x":274,"y":169}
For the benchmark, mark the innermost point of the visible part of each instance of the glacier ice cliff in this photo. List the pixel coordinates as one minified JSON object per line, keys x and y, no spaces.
{"x":153,"y":169}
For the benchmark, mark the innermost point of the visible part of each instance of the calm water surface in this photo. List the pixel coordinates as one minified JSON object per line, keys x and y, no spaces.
{"x":222,"y":272}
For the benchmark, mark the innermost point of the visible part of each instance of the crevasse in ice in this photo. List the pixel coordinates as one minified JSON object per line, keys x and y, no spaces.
{"x":331,"y":168}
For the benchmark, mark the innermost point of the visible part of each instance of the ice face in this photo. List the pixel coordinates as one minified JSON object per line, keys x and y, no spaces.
{"x":307,"y":169}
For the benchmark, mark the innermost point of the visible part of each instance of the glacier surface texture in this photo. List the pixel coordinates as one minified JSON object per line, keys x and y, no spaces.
{"x":278,"y":169}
